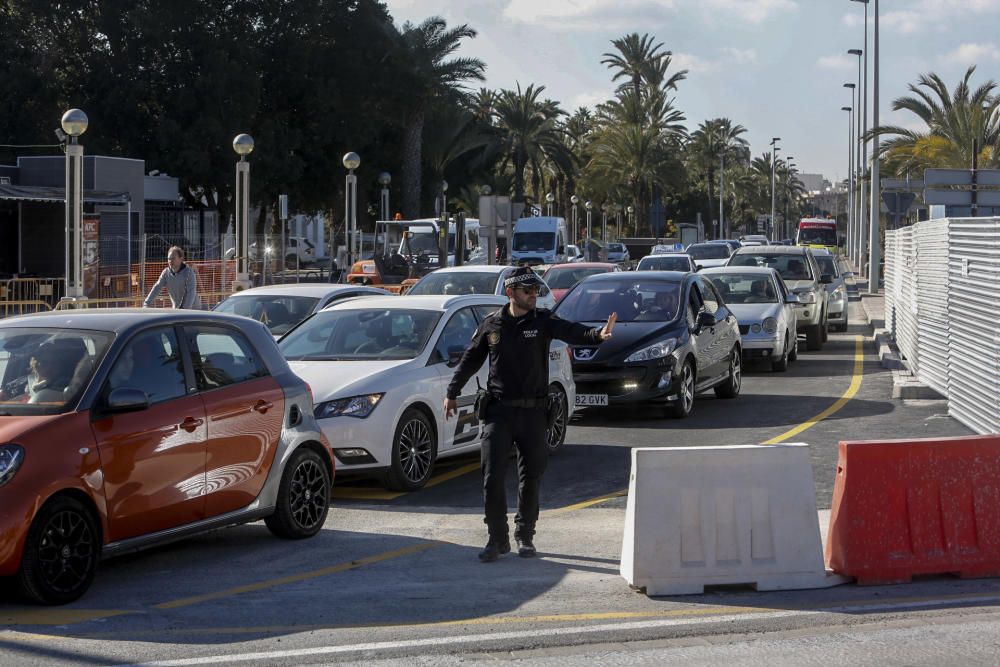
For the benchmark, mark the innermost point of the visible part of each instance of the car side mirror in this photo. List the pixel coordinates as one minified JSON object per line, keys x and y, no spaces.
{"x":126,"y":399}
{"x":791,"y":298}
{"x":706,"y":320}
{"x":825,"y":279}
{"x":455,"y":353}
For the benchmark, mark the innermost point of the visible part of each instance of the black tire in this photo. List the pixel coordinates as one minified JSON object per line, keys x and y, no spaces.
{"x":814,"y":338}
{"x":414,"y":450}
{"x":682,"y":407}
{"x":793,"y":355}
{"x":731,"y":387}
{"x":781,"y":365}
{"x":825,"y":328}
{"x":557,"y":419}
{"x":61,"y":553}
{"x":290,"y":262}
{"x":303,"y":497}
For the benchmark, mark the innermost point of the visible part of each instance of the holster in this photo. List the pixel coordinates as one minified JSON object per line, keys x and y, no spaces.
{"x":483,"y":399}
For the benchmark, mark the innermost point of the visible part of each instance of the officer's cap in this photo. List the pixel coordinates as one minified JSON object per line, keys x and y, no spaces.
{"x":522,"y":277}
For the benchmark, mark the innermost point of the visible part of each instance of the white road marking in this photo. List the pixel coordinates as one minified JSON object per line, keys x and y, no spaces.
{"x":565,"y":631}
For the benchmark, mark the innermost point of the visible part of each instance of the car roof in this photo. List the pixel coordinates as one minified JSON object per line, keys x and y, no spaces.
{"x":583,"y":265}
{"x":419,"y":302}
{"x":473,"y":268}
{"x":773,"y":250}
{"x":313,"y":290}
{"x":763,"y":270}
{"x":659,"y":276}
{"x":821,"y":251}
{"x":668,"y":253}
{"x":116,"y":320}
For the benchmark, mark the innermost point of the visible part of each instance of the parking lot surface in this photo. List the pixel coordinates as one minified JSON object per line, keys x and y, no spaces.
{"x":395,"y":576}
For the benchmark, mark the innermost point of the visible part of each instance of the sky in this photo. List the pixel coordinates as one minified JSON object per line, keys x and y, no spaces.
{"x":777,"y":67}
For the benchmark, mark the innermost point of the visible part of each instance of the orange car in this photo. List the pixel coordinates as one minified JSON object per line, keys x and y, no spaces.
{"x":121,"y":429}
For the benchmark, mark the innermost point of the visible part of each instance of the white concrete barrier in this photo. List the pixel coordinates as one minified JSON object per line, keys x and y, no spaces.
{"x":700,"y":516}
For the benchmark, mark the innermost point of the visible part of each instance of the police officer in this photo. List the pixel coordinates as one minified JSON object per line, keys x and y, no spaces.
{"x":516,"y":339}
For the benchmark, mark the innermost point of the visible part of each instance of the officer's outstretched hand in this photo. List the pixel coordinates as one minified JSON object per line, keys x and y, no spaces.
{"x":450,"y":406}
{"x":609,"y":327}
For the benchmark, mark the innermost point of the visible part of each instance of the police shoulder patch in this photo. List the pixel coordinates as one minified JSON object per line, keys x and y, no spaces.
{"x":494,"y":338}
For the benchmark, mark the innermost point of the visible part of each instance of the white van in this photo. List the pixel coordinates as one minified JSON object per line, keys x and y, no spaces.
{"x":539,"y":240}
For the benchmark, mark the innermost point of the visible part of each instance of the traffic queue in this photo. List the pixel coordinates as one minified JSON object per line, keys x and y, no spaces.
{"x":122,"y":429}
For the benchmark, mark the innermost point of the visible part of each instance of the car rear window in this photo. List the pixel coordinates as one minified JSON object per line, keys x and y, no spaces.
{"x":788,"y":266}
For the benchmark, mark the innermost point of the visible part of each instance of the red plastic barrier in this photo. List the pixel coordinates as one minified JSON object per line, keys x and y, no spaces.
{"x":909,"y":507}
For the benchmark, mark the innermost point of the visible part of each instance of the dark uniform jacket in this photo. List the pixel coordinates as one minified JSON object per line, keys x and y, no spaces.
{"x":518,"y":348}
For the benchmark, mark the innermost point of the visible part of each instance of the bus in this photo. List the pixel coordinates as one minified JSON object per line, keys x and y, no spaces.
{"x":818,"y":233}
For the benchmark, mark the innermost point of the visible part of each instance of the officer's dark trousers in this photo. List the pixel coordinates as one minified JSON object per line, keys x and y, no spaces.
{"x":523,"y":428}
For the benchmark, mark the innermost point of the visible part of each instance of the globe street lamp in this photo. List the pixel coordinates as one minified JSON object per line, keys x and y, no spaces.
{"x":774,"y":160}
{"x":351,"y":161}
{"x":549,"y":198}
{"x":590,"y":228}
{"x":242,"y":146}
{"x":384,"y":180}
{"x":631,"y":213}
{"x":604,"y":222}
{"x":74,"y":123}
{"x":574,"y":200}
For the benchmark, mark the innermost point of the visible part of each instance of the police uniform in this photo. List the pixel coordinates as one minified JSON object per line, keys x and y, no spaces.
{"x":518,"y":388}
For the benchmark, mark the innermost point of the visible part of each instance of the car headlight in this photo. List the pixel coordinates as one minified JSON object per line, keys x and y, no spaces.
{"x":839,"y":293}
{"x":770,"y":325}
{"x":11,"y":457}
{"x":355,"y":406}
{"x":807,"y":297}
{"x":657,"y":350}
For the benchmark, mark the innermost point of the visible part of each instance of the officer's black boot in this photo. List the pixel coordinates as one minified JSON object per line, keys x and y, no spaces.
{"x":526,"y":546}
{"x":496,"y":547}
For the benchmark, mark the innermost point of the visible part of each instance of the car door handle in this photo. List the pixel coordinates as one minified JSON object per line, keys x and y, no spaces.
{"x":190,"y":424}
{"x":262,"y":406}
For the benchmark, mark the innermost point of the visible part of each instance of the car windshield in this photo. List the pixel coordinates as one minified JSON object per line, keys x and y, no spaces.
{"x":457,"y":282}
{"x":818,"y":236}
{"x":790,"y":267}
{"x":827,"y":265}
{"x":665,"y":263}
{"x":565,"y":277}
{"x":633,"y":300}
{"x":360,"y":335}
{"x":616,"y":247}
{"x":709,"y":251}
{"x":44,"y":371}
{"x":424,"y":243}
{"x":744,"y":287}
{"x":528,"y":241}
{"x":278,"y":313}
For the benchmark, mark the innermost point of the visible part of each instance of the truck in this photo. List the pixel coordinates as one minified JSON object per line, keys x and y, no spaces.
{"x":539,"y":240}
{"x":818,"y":233}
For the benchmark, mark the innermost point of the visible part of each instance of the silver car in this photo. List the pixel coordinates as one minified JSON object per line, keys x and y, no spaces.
{"x":765,"y":311}
{"x":837,"y":289}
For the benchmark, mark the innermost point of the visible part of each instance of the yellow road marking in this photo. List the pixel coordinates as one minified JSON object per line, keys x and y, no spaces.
{"x":587,"y":503}
{"x":61,"y":616}
{"x":302,"y":576}
{"x":362,"y":493}
{"x":859,"y":364}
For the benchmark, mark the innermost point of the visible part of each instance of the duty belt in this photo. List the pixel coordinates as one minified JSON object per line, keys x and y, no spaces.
{"x":523,"y":402}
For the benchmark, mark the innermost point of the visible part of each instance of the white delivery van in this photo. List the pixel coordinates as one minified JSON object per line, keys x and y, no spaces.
{"x":539,"y":240}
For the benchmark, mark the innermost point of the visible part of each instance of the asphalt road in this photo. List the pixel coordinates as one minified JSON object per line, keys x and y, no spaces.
{"x":396,"y":580}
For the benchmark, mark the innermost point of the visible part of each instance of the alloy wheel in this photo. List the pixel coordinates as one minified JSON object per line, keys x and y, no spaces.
{"x":735,"y":371}
{"x":555,"y":430}
{"x":687,"y":388}
{"x":67,"y":551}
{"x":309,"y":494}
{"x":414,"y":449}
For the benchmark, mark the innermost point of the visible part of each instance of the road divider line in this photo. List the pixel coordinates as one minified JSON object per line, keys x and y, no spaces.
{"x":587,"y":503}
{"x":852,"y":390}
{"x":302,"y":576}
{"x":363,"y":493}
{"x":57,"y":616}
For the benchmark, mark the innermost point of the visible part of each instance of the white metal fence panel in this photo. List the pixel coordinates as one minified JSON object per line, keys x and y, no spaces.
{"x":891,"y":280}
{"x":906,"y":309}
{"x":973,"y":325}
{"x":932,"y":303}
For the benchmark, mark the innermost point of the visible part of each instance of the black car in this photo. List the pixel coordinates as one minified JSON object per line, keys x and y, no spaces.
{"x":675,"y":337}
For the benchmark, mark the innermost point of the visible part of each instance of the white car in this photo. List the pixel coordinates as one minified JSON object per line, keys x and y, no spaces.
{"x":379,"y":370}
{"x":709,"y":255}
{"x":617,"y":253}
{"x":765,"y":310}
{"x":573,"y":254}
{"x":281,"y":307}
{"x":476,"y":279}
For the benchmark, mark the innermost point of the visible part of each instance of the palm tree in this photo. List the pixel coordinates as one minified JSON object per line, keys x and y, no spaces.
{"x":423,"y":53}
{"x":955,"y":121}
{"x":714,"y":142}
{"x":640,"y":62}
{"x":529,"y":132}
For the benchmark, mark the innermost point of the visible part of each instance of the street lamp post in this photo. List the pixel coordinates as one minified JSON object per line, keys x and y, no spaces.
{"x":590,"y":227}
{"x":549,"y":198}
{"x":351,"y":162}
{"x":74,"y":123}
{"x":242,"y":145}
{"x":874,"y":256}
{"x":384,"y":179}
{"x":631,"y":213}
{"x":785,"y":225}
{"x":604,"y":222}
{"x":852,"y":217}
{"x":859,"y":162}
{"x":850,"y":160}
{"x":722,"y":187}
{"x":864,"y":222}
{"x":574,"y":200}
{"x":774,"y":162}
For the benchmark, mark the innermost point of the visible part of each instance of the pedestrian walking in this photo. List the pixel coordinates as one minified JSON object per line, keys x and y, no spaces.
{"x":180,"y":281}
{"x":513,"y":406}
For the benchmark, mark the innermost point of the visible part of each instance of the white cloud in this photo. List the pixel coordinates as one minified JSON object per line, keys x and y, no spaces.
{"x":838,"y":63}
{"x":693,"y":63}
{"x":973,"y":54}
{"x":590,"y":100}
{"x":729,"y":56}
{"x":920,"y":15}
{"x":750,"y":11}
{"x":741,"y":56}
{"x":588,"y":14}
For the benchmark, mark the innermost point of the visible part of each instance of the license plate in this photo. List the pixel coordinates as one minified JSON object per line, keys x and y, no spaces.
{"x":591,"y":400}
